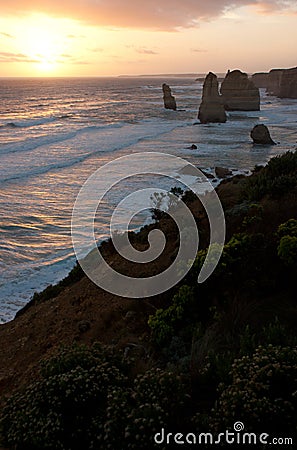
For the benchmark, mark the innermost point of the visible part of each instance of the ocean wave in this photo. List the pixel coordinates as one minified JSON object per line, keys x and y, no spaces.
{"x":131,"y":135}
{"x":29,"y":281}
{"x":27,"y":123}
{"x":44,"y":170}
{"x":31,"y":143}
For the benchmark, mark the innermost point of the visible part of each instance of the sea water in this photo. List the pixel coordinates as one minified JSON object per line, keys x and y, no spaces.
{"x":54,"y":133}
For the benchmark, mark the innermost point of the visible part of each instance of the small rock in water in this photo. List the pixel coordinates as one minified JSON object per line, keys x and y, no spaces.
{"x":260,"y":135}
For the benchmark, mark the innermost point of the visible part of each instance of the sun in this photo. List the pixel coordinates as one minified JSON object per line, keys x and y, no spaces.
{"x":43,"y":43}
{"x":46,"y":66}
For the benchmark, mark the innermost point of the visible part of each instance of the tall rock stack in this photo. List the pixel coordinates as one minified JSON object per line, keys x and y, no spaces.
{"x":239,"y":92}
{"x":288,"y":83}
{"x":211,"y":108}
{"x":169,"y":100}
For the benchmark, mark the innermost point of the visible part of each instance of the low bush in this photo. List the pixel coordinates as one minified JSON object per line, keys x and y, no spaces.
{"x":276,"y":179}
{"x":262,"y":393}
{"x":288,"y":228}
{"x":165,"y":323}
{"x":84,"y":400}
{"x":66,"y":408}
{"x":287,"y":250}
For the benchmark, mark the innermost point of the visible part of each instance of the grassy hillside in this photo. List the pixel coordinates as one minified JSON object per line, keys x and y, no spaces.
{"x":83,"y":369}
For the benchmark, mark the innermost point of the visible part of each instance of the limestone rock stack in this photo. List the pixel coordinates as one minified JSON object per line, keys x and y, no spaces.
{"x":239,"y":92}
{"x":169,"y":100}
{"x":211,"y":108}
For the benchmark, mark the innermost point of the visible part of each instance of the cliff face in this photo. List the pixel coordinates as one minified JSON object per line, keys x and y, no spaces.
{"x":279,"y":82}
{"x":288,"y":84}
{"x":211,"y":108}
{"x":239,"y":93}
{"x":274,"y":81}
{"x":260,"y":79}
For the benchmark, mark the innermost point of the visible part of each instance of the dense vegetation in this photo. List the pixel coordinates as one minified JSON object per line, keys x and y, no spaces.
{"x":275,"y":180}
{"x":221,"y":352}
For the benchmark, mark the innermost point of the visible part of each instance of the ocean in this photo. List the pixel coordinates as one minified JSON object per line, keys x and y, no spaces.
{"x":54,"y":133}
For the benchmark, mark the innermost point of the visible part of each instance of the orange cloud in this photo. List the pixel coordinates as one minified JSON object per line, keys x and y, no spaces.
{"x":155,"y":14}
{"x":9,"y":57}
{"x":269,"y":6}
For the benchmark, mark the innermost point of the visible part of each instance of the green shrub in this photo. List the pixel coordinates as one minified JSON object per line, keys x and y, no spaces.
{"x":288,"y":228}
{"x":85,"y":401}
{"x":237,"y":255}
{"x":159,"y":398}
{"x":276,"y":333}
{"x":247,"y":341}
{"x":66,"y":409}
{"x":216,"y":367}
{"x":156,"y":400}
{"x":166,"y":322}
{"x":262,"y":393}
{"x":274,"y":180}
{"x":287,"y":250}
{"x":282,"y":164}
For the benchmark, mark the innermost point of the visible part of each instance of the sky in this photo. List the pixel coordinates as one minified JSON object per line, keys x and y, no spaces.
{"x":132,"y":37}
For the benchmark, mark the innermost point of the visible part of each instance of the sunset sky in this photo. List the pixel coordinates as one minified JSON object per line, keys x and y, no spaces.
{"x":116,"y":37}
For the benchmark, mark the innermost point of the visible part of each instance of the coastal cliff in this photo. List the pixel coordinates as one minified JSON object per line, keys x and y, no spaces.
{"x":146,"y":349}
{"x":288,"y":85}
{"x":274,"y":81}
{"x":279,"y":82}
{"x":260,"y":79}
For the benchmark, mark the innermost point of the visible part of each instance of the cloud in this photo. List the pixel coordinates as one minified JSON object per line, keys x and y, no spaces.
{"x":166,"y":15}
{"x":97,"y":49}
{"x":199,"y":50}
{"x":75,"y":36}
{"x":142,"y":50}
{"x":66,"y":58}
{"x":8,"y":57}
{"x":269,"y":6}
{"x":6,"y":34}
{"x":146,"y":51}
